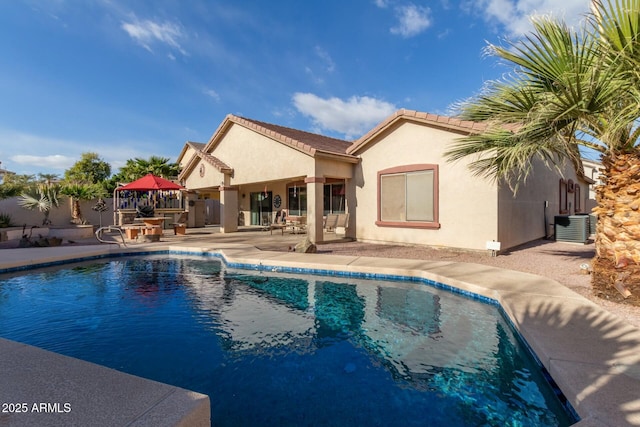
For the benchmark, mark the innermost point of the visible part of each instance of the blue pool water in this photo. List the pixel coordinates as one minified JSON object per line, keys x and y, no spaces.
{"x":286,"y":350}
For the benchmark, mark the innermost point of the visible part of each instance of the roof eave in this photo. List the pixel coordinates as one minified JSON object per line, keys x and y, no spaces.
{"x":347,"y":158}
{"x":432,"y":120}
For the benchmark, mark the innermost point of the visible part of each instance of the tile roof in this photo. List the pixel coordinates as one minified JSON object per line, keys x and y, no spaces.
{"x":301,"y":140}
{"x":200,"y":154}
{"x":444,"y":122}
{"x":214,"y":161}
{"x":196,"y":145}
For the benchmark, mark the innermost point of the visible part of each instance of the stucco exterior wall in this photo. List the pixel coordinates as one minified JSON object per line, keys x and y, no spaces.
{"x":256,"y":158}
{"x":333,"y":169}
{"x":592,"y":170}
{"x":212,"y":177}
{"x":522,"y":217}
{"x":467,"y":205}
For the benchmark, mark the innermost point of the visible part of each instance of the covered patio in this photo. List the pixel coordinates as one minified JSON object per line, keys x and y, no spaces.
{"x":278,"y":170}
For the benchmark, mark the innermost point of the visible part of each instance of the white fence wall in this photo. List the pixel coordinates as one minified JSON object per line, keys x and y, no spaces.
{"x":58,"y":216}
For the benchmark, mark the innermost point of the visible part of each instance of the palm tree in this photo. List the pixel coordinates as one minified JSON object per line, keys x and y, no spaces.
{"x":48,"y":178}
{"x":78,"y":192}
{"x":43,"y":198}
{"x":137,"y":168}
{"x":571,"y":89}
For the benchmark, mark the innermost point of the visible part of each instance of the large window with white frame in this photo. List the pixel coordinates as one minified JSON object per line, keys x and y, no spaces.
{"x":408,"y":196}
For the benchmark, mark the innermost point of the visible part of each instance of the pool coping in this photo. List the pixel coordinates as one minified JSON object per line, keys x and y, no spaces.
{"x":591,"y":354}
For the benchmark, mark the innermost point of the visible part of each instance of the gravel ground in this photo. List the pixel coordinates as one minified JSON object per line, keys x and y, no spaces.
{"x":556,"y":260}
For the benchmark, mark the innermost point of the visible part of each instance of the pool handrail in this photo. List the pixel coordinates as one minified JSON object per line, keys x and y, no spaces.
{"x":100,"y":230}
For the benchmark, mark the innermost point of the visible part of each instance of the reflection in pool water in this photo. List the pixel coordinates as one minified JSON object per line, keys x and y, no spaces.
{"x":287,"y":350}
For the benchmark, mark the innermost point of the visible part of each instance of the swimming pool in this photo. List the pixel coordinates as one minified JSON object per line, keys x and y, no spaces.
{"x":287,"y":349}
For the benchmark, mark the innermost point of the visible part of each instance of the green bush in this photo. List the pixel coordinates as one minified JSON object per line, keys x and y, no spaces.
{"x":5,"y":220}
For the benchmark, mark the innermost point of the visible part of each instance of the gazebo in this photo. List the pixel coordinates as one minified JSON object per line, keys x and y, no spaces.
{"x":163,"y":196}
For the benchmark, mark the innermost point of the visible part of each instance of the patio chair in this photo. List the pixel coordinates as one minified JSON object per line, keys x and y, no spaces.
{"x":279,"y":221}
{"x":330,"y":223}
{"x":180,"y":226}
{"x":299,"y":225}
{"x":342,"y":223}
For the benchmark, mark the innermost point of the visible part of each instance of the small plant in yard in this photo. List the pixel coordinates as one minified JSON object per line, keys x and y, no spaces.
{"x":43,"y":198}
{"x":5,"y":220}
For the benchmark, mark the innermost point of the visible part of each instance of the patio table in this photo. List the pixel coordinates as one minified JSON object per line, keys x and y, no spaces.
{"x":154,"y":224}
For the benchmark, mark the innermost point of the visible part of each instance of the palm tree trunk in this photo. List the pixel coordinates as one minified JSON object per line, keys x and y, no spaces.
{"x":76,"y":214}
{"x":618,"y":228}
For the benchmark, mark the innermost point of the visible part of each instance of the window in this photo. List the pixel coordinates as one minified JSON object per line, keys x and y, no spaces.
{"x":334,"y":198}
{"x":577,"y":199}
{"x":297,"y":200}
{"x":564,"y":208}
{"x":408,"y":197}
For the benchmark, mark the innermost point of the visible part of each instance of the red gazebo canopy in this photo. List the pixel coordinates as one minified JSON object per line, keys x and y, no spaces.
{"x":151,"y":182}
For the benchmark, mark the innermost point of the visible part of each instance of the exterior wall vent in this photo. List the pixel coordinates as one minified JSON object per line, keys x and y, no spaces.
{"x":572,"y":228}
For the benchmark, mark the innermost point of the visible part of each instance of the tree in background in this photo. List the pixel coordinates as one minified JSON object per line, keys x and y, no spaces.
{"x":137,"y":168}
{"x":48,"y":178}
{"x":85,"y":180}
{"x":79,"y":192}
{"x":14,"y":184}
{"x":159,"y":166}
{"x":90,"y":169}
{"x":568,"y":90}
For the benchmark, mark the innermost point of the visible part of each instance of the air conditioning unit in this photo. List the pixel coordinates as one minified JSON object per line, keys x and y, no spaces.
{"x":593,"y":220}
{"x":572,"y":228}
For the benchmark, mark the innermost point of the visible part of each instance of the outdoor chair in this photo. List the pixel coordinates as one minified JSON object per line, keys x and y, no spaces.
{"x":330,"y":223}
{"x":342,"y":223}
{"x":279,"y":222}
{"x":298,"y":225}
{"x":180,"y":226}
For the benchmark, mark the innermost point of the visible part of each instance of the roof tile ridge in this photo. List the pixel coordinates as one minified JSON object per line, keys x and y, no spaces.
{"x":192,"y":160}
{"x":293,"y":142}
{"x":212,"y":160}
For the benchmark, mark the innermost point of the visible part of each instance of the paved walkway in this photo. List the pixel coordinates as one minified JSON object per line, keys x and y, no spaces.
{"x":592,"y":355}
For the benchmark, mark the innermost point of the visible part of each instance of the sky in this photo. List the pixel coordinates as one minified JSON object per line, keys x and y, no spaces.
{"x":132,"y":79}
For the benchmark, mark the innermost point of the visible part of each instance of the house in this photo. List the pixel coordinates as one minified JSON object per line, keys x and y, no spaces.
{"x":256,"y":169}
{"x":591,"y":170}
{"x":394,"y":182}
{"x":4,"y":172}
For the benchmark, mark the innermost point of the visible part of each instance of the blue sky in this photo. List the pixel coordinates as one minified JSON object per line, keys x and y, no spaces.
{"x":139,"y":78}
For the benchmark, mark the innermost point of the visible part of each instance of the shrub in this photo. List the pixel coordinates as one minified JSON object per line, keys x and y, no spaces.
{"x":5,"y":220}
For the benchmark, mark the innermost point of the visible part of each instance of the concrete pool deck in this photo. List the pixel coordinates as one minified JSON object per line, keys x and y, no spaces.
{"x":592,"y":355}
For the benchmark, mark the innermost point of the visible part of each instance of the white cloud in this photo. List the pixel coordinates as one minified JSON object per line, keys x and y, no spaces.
{"x":54,"y":161}
{"x":31,"y":154}
{"x":515,"y":15}
{"x":382,"y":4}
{"x":147,"y":33}
{"x":352,"y":117}
{"x":212,"y":93}
{"x":412,"y":20}
{"x":330,"y":66}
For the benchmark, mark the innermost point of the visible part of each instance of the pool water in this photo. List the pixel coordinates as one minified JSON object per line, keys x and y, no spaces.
{"x":289,"y":349}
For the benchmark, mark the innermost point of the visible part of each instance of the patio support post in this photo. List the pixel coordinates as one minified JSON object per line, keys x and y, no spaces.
{"x":315,"y":208}
{"x":228,"y":209}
